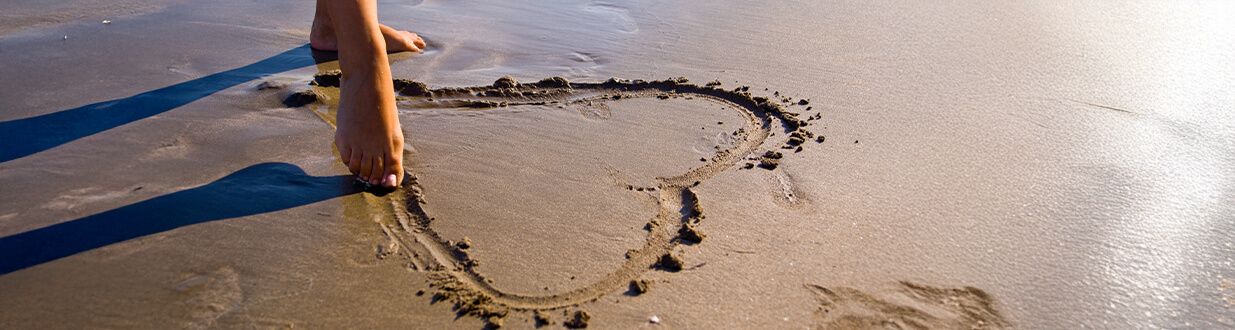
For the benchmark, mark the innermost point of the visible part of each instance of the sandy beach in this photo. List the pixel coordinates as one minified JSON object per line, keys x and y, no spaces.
{"x":721,"y":164}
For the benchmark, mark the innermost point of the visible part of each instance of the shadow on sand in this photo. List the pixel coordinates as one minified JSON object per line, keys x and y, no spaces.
{"x":256,"y":189}
{"x":23,"y":137}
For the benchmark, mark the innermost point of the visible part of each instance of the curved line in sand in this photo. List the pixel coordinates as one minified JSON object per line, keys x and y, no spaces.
{"x":453,"y":270}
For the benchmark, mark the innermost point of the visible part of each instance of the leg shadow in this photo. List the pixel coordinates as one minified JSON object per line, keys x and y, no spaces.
{"x":257,"y":189}
{"x":23,"y":137}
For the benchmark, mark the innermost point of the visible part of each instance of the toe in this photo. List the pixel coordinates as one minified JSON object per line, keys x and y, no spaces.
{"x":404,"y":45}
{"x":410,"y":40}
{"x":394,"y":171}
{"x":377,"y":175}
{"x":366,"y":169}
{"x":345,"y":155}
{"x":390,"y":181}
{"x":416,"y":39}
{"x":354,"y":162}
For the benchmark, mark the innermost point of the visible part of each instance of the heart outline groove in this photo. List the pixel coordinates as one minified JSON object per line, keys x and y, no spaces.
{"x":452,"y":270}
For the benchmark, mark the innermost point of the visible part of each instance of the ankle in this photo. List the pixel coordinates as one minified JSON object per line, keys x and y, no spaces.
{"x":321,"y":29}
{"x":321,"y":36}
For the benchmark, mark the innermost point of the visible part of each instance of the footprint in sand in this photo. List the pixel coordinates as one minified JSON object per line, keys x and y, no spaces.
{"x":209,"y":296}
{"x":907,"y":306}
{"x":453,"y":270}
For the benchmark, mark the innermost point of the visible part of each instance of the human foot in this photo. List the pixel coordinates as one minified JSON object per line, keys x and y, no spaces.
{"x":368,"y":137}
{"x":323,"y":37}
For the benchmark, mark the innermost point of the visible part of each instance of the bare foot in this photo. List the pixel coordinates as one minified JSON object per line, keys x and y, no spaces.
{"x":369,"y":138}
{"x":322,"y":37}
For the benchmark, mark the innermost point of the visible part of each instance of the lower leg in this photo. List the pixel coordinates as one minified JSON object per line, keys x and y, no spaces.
{"x":322,"y":35}
{"x":369,"y":138}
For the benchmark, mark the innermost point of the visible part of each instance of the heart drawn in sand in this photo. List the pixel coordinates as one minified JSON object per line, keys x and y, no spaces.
{"x":453,"y":270}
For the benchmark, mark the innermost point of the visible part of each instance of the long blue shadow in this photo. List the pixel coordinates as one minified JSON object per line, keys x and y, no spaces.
{"x":256,"y":189}
{"x":27,"y":136}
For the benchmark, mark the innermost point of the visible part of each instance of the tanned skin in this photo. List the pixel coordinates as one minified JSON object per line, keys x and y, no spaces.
{"x":369,"y":138}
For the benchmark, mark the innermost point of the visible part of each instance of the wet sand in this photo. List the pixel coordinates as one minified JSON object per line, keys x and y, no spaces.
{"x":982,"y":165}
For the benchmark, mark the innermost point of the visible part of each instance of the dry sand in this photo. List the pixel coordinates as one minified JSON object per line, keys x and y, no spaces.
{"x":983,"y":165}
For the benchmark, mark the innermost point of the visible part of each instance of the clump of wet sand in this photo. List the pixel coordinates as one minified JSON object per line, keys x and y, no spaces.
{"x":690,"y":234}
{"x":640,"y":286}
{"x":669,"y":262}
{"x":553,"y":82}
{"x":578,"y":320}
{"x":506,"y":82}
{"x":467,"y":302}
{"x":409,"y":87}
{"x":300,"y":98}
{"x":330,"y":78}
{"x":540,"y":319}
